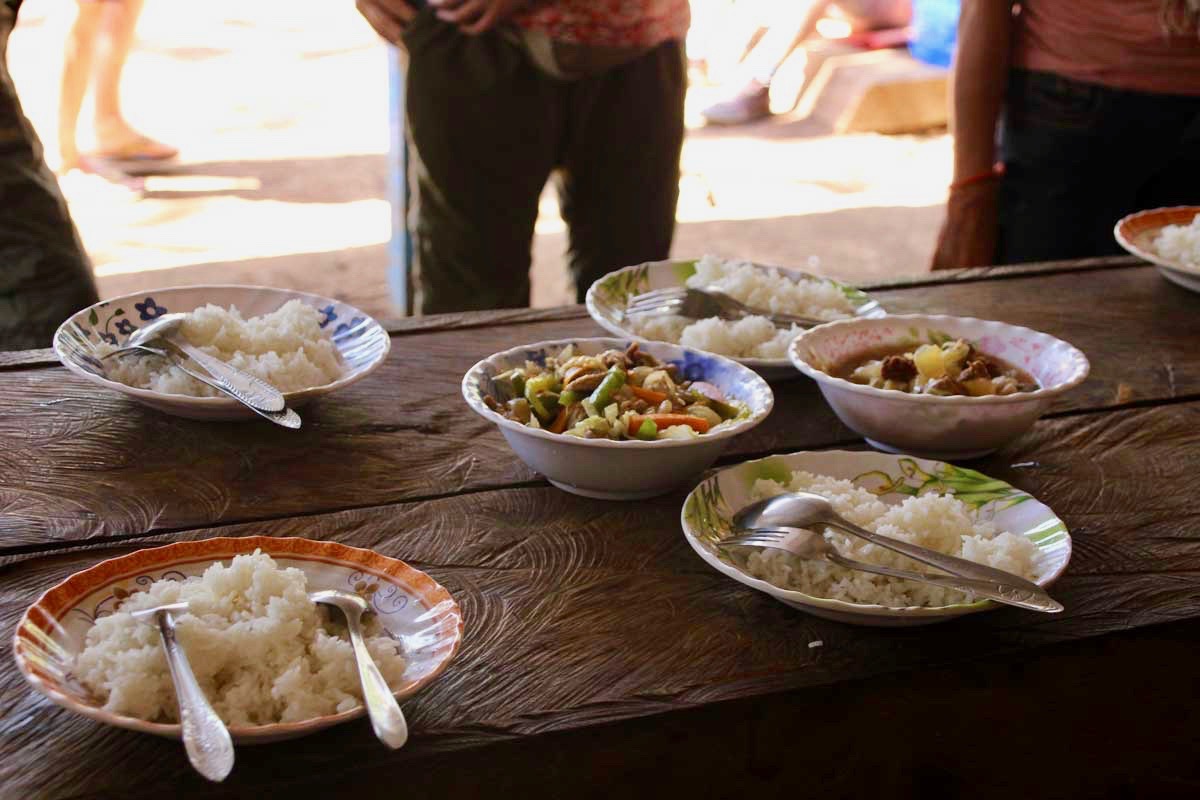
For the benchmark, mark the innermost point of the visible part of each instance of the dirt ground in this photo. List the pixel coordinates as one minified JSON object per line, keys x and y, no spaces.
{"x":282,"y":125}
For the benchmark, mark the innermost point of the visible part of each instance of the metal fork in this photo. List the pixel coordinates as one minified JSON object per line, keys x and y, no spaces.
{"x":813,"y":546}
{"x":702,"y":303}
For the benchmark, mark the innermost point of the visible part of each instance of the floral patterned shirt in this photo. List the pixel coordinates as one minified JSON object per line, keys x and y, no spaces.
{"x":609,"y":23}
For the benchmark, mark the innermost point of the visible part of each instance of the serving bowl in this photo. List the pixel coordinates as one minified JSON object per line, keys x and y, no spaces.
{"x":609,"y":469}
{"x":608,"y":297}
{"x":1137,"y":232}
{"x":361,"y":342}
{"x":929,"y":425}
{"x":412,"y":608}
{"x":708,"y":512}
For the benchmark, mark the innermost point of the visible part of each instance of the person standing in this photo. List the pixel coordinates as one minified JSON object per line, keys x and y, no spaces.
{"x":1098,"y":107}
{"x":503,"y":93}
{"x":44,"y":274}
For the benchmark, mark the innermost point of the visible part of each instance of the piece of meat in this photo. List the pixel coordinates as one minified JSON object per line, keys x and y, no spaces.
{"x":898,"y":368}
{"x":945,"y":387}
{"x":975,"y":369}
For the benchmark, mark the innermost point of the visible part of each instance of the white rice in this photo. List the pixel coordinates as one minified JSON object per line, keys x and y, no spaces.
{"x":755,"y":336}
{"x":287,"y":348}
{"x":261,"y":650}
{"x":939,"y":522}
{"x":1180,"y":243}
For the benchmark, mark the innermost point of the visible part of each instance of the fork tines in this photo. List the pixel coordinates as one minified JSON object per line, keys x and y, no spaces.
{"x":659,"y":301}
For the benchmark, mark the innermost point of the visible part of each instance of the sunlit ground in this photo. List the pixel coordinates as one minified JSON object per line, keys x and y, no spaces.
{"x":282,"y":123}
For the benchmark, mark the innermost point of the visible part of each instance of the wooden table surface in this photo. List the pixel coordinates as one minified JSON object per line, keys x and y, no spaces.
{"x":601,"y":654}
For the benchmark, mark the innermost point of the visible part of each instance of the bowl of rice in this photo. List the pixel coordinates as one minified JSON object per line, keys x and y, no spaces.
{"x":930,"y":503}
{"x":754,"y":341}
{"x":621,"y":470}
{"x":1167,"y":237}
{"x":303,"y":344}
{"x":272,"y":663}
{"x":931,"y":425}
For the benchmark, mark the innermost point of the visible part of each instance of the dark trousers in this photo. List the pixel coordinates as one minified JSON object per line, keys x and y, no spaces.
{"x":1079,"y":156}
{"x":44,"y":275}
{"x":487,"y":128}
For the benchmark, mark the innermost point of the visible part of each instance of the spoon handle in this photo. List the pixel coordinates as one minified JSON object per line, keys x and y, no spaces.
{"x":386,"y":717}
{"x":956,"y":566}
{"x":251,"y":390}
{"x":1001,"y":593}
{"x":205,"y":737}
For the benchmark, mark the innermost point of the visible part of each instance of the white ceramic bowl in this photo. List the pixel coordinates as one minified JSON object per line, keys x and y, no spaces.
{"x":709,"y":509}
{"x":413,"y":609}
{"x":361,"y":341}
{"x":1137,"y":232}
{"x":627,"y":470}
{"x":607,"y":298}
{"x":928,"y":425}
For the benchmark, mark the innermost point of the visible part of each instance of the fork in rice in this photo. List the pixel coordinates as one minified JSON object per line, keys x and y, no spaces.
{"x":704,"y":303}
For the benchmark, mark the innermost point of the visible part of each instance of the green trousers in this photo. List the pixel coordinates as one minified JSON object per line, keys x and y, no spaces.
{"x":487,"y":128}
{"x":44,"y":274}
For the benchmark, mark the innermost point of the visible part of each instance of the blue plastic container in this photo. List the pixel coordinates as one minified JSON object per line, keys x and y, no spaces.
{"x":935,"y":30}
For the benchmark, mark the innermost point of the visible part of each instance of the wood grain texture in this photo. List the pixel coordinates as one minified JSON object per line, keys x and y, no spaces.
{"x":82,"y":463}
{"x":581,"y":612}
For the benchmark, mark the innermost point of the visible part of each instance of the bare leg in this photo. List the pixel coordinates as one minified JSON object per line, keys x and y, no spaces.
{"x":76,"y":75}
{"x":113,"y":133}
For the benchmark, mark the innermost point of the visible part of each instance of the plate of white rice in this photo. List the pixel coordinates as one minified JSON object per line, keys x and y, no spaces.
{"x":1167,"y":237}
{"x":930,"y":503}
{"x":754,"y":341}
{"x":303,"y":344}
{"x":273,"y":664}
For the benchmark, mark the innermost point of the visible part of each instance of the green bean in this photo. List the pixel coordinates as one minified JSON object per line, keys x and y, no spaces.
{"x":534,"y":389}
{"x":648,"y":430}
{"x":568,"y":397}
{"x":608,"y":387}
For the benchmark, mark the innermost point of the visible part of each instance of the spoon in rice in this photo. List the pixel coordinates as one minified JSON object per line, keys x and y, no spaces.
{"x":386,"y":717}
{"x":205,"y":737}
{"x":812,"y":512}
{"x":249,"y":389}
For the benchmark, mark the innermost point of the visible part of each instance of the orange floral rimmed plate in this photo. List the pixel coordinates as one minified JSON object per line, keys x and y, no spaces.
{"x":412,"y":608}
{"x":1137,"y":232}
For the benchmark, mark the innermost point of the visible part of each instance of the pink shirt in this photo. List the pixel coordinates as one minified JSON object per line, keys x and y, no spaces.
{"x":609,"y":23}
{"x":1117,"y":43}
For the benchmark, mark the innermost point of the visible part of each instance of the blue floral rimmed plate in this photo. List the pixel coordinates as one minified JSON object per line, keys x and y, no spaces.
{"x":361,"y":342}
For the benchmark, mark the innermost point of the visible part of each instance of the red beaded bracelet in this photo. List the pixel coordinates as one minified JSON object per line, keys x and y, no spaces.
{"x":995,"y":173}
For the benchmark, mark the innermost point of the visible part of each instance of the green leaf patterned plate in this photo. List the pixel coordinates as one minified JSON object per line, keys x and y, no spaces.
{"x":710,"y":507}
{"x":608,"y":297}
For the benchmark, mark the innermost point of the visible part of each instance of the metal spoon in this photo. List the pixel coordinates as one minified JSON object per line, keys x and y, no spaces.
{"x":287,"y":418}
{"x":386,"y":717}
{"x":247,"y":388}
{"x":814,"y":512}
{"x":813,"y":546}
{"x":205,"y":737}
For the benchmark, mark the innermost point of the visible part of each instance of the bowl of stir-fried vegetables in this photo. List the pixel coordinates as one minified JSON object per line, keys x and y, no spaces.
{"x":616,"y":419}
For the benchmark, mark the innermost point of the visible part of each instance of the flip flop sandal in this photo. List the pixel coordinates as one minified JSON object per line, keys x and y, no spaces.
{"x":108,"y":172}
{"x":138,"y":150}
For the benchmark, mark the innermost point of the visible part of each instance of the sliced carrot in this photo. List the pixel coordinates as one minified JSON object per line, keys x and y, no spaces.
{"x":560,"y":422}
{"x":664,"y":421}
{"x":649,"y":395}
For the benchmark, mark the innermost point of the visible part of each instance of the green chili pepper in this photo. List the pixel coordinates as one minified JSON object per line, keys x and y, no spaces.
{"x":535,"y":388}
{"x":608,"y":387}
{"x":648,"y":430}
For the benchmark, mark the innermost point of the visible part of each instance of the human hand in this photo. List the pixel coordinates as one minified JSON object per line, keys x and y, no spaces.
{"x":389,"y":18}
{"x":476,"y":16}
{"x":969,"y":233}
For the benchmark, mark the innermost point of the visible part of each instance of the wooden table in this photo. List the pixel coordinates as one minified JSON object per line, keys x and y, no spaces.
{"x":601,"y":655}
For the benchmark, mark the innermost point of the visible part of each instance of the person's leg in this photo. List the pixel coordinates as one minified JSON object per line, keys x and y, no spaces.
{"x":485,"y":129}
{"x":620,"y":176}
{"x":79,"y":51}
{"x":44,"y":274}
{"x":115,"y":137}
